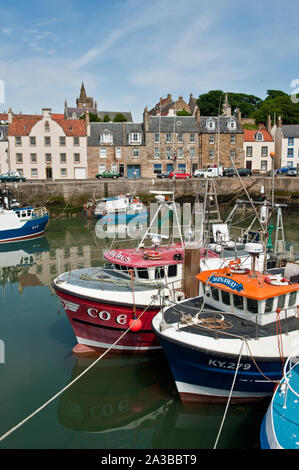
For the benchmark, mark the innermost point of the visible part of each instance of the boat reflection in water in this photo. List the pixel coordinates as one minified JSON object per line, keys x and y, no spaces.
{"x":128,"y":395}
{"x":132,"y":403}
{"x":206,"y":426}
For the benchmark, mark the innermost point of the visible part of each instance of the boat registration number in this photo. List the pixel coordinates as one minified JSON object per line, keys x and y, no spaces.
{"x":121,"y":319}
{"x":228,"y":365}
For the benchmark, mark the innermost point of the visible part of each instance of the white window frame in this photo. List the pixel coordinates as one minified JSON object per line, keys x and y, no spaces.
{"x":231,"y":124}
{"x":135,"y":138}
{"x":118,"y":152}
{"x":106,"y":137}
{"x":135,"y":152}
{"x":103,"y":152}
{"x":210,"y":124}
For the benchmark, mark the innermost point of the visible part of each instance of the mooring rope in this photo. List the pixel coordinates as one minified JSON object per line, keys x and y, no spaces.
{"x":21,"y":423}
{"x":230,"y":394}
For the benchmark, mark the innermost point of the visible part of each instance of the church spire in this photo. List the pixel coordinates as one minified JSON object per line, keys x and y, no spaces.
{"x":83,"y":95}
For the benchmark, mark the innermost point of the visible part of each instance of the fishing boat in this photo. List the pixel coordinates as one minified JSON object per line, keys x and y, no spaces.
{"x":113,"y":306}
{"x":280,"y":426}
{"x":22,"y":223}
{"x":230,"y":341}
{"x":117,"y":210}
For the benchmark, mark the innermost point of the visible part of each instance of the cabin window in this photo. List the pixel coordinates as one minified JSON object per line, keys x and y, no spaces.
{"x":206,"y":289}
{"x":117,"y":266}
{"x":142,"y":273}
{"x":252,"y":305}
{"x":225,"y":297}
{"x":24,"y":214}
{"x":292,"y":298}
{"x":159,"y":272}
{"x":172,"y":270}
{"x":215,"y":293}
{"x":123,"y":268}
{"x":269,"y":305}
{"x":281,"y":301}
{"x":18,"y":213}
{"x":238,"y":301}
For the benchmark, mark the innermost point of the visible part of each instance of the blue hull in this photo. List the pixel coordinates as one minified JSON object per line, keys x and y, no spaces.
{"x":30,"y":229}
{"x":123,"y":218}
{"x":280,"y":426}
{"x":207,"y":376}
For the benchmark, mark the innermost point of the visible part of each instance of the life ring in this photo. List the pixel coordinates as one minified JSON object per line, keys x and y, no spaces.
{"x":237,"y":268}
{"x":276,"y":280}
{"x":153,"y":255}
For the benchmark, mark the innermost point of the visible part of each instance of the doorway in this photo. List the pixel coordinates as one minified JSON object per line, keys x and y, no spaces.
{"x":49,"y":174}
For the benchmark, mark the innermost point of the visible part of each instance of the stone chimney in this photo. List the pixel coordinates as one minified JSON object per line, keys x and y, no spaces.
{"x":145,"y":119}
{"x":238,"y":114}
{"x":269,"y":123}
{"x":46,"y":113}
{"x":9,"y":116}
{"x":87,"y":120}
{"x":197,"y":115}
{"x":279,"y":121}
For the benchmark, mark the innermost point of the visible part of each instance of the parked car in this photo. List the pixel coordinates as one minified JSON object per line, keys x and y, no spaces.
{"x":282,"y":170}
{"x":244,"y":171}
{"x":164,"y":175}
{"x":11,"y":176}
{"x":292,"y":172}
{"x":229,"y":171}
{"x":108,"y":174}
{"x":179,"y":174}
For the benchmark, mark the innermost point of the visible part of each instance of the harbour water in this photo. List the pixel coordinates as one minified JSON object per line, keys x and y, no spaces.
{"x":123,"y":402}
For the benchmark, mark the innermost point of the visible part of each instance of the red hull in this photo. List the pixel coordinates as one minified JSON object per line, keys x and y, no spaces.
{"x":99,"y":325}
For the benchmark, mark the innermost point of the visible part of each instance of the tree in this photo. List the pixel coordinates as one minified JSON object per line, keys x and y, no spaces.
{"x":106,"y":118}
{"x":278,"y":103}
{"x":183,"y":113}
{"x":119,"y":118}
{"x":210,"y":104}
{"x":247,"y":104}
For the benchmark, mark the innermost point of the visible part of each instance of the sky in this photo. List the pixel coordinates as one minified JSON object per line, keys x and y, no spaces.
{"x":129,"y":53}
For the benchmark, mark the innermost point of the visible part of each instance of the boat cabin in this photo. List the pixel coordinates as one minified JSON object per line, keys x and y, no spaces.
{"x":24,"y":213}
{"x":148,"y":265}
{"x":249,"y":294}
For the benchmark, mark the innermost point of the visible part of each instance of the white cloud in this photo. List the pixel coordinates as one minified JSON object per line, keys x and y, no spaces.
{"x":7,"y":31}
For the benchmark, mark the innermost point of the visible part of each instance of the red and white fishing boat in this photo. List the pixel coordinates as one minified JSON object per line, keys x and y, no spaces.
{"x":103,"y":302}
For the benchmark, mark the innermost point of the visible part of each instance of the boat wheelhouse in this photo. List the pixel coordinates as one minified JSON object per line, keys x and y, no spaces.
{"x":230,"y":341}
{"x":118,"y":209}
{"x":22,"y":223}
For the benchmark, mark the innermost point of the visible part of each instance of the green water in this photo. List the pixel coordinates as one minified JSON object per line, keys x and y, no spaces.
{"x":123,"y":403}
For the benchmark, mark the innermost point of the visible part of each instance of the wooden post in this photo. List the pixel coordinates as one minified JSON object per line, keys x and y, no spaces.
{"x":191,"y":268}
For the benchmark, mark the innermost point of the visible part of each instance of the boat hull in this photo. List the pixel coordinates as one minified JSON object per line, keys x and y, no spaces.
{"x":122,"y":218}
{"x":30,"y":229}
{"x":100,"y":325}
{"x":206,"y":376}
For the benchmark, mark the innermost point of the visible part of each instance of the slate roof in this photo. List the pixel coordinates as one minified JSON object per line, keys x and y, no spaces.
{"x":119,"y":130}
{"x":80,"y":111}
{"x":178,"y":124}
{"x":223,"y":120}
{"x":3,"y":132}
{"x":290,"y":130}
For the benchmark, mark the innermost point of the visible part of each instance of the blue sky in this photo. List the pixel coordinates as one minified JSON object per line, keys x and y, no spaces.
{"x":129,"y":53}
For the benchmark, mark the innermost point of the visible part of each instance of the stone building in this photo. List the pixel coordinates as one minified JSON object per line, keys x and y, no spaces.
{"x":88,"y":104}
{"x":168,"y":107}
{"x":4,"y":163}
{"x":47,"y":146}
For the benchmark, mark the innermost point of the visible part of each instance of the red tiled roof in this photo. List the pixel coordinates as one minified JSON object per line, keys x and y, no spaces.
{"x":250,"y":133}
{"x":3,"y":116}
{"x":76,"y":127}
{"x":22,"y":125}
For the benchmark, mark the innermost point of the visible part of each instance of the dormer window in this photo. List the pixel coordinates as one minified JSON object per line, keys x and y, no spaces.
{"x":231,"y":124}
{"x":210,"y":124}
{"x":135,"y":138}
{"x":106,"y":137}
{"x":259,"y":136}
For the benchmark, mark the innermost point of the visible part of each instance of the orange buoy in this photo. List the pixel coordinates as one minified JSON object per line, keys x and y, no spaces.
{"x":135,"y":324}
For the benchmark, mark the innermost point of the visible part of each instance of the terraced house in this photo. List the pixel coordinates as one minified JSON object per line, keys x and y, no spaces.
{"x":47,"y":146}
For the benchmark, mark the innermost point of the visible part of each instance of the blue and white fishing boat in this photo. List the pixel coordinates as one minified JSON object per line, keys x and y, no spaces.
{"x":229,"y":342}
{"x":22,"y":223}
{"x":280,"y":426}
